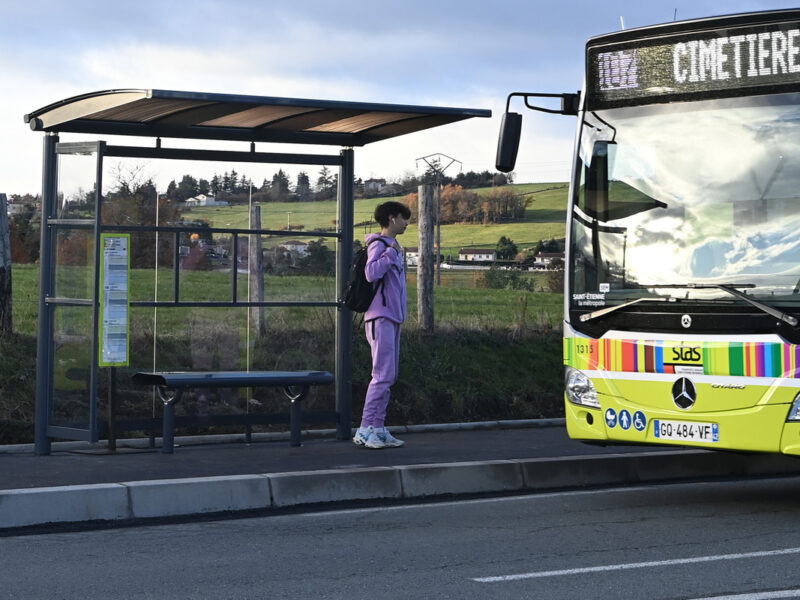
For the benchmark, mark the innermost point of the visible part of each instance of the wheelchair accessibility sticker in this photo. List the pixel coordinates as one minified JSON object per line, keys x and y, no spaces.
{"x":639,"y":420}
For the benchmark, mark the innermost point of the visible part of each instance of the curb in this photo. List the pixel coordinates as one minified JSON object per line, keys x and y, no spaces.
{"x":119,"y":502}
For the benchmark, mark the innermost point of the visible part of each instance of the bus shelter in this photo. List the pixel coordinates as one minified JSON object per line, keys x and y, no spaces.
{"x":85,"y":303}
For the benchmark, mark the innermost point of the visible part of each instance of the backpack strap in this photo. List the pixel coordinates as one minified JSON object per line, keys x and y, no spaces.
{"x":381,"y":283}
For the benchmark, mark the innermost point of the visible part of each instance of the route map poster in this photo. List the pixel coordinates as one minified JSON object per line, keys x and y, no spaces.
{"x":115,"y":300}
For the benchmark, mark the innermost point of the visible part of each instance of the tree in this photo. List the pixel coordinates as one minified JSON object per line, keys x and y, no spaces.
{"x":172,"y":191}
{"x":133,"y":203}
{"x":279,"y":190}
{"x":324,"y":179}
{"x":25,"y":235}
{"x":5,"y":270}
{"x":326,"y":184}
{"x":303,"y":187}
{"x":506,"y":248}
{"x":187,"y":188}
{"x":319,"y":260}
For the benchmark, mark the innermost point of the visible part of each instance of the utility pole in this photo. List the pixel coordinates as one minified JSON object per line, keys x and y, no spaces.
{"x":434,"y":161}
{"x":426,"y":256}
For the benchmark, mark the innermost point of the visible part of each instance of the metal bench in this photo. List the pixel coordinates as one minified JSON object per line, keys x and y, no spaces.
{"x":171,"y":385}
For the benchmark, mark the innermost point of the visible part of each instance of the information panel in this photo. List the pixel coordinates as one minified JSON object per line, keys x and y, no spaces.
{"x":692,"y":66}
{"x":115,"y":300}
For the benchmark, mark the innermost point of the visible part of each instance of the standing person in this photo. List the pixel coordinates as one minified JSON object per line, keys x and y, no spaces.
{"x":382,"y":321}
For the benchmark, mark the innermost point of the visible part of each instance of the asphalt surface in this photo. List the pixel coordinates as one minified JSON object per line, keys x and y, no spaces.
{"x":83,"y":483}
{"x":82,"y":464}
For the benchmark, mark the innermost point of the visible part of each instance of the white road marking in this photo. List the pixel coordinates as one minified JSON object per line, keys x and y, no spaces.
{"x":639,"y":565}
{"x":757,"y":595}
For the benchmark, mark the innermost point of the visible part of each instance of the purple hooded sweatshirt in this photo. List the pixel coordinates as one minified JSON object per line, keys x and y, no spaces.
{"x":384,"y":261}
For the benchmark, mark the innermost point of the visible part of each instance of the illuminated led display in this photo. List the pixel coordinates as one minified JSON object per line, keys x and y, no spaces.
{"x":728,"y":62}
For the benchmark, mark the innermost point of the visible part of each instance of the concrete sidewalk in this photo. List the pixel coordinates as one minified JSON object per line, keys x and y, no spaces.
{"x":82,"y":483}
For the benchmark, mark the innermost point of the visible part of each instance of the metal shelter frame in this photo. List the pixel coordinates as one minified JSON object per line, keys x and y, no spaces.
{"x":160,"y":113}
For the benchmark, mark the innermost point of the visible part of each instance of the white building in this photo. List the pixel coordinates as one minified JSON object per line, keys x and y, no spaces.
{"x":374,"y":186}
{"x":544,"y":260}
{"x":301,"y":248}
{"x":477,"y":255}
{"x":203,"y":200}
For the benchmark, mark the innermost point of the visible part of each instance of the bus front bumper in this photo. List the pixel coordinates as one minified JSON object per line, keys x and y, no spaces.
{"x":761,"y":428}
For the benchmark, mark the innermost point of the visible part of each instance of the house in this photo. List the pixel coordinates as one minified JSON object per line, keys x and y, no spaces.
{"x":477,"y":255}
{"x":373,"y":187}
{"x":544,"y":260}
{"x":203,"y":200}
{"x":296,"y":246}
{"x":18,"y":208}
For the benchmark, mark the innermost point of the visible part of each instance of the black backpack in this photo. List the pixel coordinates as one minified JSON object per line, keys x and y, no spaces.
{"x":358,"y":293}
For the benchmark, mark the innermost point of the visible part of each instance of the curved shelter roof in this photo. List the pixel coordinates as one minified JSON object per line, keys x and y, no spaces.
{"x":164,"y":113}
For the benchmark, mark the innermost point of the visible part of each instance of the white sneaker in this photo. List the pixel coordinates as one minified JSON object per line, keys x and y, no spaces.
{"x":361,"y":436}
{"x":388,"y":439}
{"x":368,"y":437}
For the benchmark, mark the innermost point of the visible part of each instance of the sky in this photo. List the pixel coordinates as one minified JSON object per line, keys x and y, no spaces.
{"x":466,"y":53}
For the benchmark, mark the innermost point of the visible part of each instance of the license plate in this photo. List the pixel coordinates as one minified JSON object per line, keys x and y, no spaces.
{"x":686,"y":431}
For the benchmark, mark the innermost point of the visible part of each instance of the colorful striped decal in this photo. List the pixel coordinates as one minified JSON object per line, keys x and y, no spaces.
{"x":748,"y":359}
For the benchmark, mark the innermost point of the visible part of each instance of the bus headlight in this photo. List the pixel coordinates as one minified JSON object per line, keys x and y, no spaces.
{"x":580,"y":389}
{"x":794,"y":412}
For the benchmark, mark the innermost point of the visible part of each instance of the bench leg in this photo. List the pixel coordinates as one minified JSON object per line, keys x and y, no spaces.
{"x":168,"y":432}
{"x":296,"y":413}
{"x":296,"y":422}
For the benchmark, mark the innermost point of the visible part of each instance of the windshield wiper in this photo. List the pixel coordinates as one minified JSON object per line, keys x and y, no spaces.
{"x":610,"y":309}
{"x":774,"y":312}
{"x":725,"y":287}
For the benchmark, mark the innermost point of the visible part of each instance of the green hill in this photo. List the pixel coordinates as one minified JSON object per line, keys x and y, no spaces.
{"x":544,"y":219}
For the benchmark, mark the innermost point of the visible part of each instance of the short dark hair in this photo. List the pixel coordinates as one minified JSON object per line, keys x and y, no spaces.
{"x":385,"y":210}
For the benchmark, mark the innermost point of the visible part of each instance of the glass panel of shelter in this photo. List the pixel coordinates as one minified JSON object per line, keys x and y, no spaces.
{"x":204,"y":329}
{"x":71,"y":306}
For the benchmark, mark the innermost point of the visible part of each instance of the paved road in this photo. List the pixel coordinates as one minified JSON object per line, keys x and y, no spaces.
{"x":734,"y":539}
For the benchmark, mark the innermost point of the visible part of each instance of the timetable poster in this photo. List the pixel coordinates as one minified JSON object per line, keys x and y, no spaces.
{"x":114,"y":300}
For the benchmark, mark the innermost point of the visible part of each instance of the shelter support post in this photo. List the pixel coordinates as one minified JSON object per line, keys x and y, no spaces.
{"x":46,"y":249}
{"x":344,"y":316}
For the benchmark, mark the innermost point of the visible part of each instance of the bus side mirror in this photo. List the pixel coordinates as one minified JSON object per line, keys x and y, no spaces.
{"x":508,"y":142}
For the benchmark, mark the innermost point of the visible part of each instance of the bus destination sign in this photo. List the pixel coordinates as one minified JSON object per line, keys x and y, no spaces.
{"x":730,"y":62}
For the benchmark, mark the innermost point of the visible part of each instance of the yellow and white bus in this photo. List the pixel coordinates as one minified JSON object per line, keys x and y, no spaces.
{"x":682,"y":287}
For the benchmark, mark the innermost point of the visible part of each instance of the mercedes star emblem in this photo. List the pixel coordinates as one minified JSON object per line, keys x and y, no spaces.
{"x":684,"y":394}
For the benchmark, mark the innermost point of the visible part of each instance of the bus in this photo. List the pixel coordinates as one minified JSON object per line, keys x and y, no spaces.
{"x":682,"y":275}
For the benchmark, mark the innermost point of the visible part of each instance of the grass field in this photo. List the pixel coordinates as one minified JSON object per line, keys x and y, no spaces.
{"x":459,"y":301}
{"x":544,"y":219}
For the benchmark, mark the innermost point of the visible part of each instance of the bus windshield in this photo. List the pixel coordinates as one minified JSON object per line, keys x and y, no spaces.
{"x":690,"y":196}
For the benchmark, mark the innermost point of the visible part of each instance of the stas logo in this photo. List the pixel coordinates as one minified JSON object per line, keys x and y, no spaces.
{"x":687,"y":354}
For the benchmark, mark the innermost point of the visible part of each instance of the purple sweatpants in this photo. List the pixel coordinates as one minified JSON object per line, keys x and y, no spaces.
{"x":383,"y":336}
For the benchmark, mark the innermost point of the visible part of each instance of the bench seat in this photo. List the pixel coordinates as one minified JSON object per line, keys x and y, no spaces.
{"x":172,"y":384}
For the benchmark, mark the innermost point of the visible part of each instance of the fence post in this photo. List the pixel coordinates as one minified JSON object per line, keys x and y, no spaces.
{"x":5,"y":269}
{"x":255,"y":261}
{"x":426,"y":259}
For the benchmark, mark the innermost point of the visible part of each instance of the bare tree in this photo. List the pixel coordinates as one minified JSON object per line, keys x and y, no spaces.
{"x":5,"y":269}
